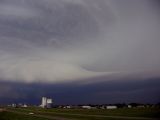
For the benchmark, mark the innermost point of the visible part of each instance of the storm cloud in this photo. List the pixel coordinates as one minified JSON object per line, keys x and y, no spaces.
{"x":103,"y":92}
{"x":71,"y":40}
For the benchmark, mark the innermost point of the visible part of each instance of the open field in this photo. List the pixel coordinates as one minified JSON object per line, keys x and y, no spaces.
{"x":80,"y":114}
{"x":13,"y":116}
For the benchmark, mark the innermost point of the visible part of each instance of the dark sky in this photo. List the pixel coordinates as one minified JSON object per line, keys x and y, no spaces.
{"x":80,"y":51}
{"x":104,"y":92}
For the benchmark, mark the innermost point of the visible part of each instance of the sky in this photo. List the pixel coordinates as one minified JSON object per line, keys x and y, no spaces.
{"x":80,"y":51}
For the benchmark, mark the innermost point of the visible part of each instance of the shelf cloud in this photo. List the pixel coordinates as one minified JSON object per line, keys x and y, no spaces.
{"x":72,"y":40}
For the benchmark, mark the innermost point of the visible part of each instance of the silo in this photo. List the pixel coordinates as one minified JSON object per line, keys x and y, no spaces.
{"x":44,"y":102}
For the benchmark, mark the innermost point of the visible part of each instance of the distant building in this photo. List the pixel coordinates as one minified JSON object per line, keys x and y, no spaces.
{"x":86,"y":107}
{"x":24,"y":106}
{"x":49,"y":103}
{"x":67,"y":107}
{"x":129,"y":106}
{"x":46,"y":102}
{"x":102,"y":107}
{"x":14,"y":105}
{"x":111,"y":107}
{"x":140,"y":106}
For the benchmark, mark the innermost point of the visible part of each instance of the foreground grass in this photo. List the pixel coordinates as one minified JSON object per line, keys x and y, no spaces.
{"x":133,"y":112}
{"x":13,"y":116}
{"x":16,"y":116}
{"x":95,"y":114}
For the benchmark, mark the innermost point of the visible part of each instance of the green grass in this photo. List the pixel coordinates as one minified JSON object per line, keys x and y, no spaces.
{"x":133,"y":112}
{"x":13,"y":116}
{"x":84,"y":114}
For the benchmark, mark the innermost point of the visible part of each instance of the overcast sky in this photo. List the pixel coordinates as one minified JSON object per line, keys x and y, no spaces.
{"x":82,"y":41}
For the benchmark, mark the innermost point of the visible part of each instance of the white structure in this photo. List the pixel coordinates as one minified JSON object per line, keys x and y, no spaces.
{"x":86,"y":107}
{"x":14,"y":105}
{"x":129,"y":106}
{"x":111,"y":107}
{"x":67,"y":107}
{"x":49,"y":103}
{"x":24,"y":106}
{"x":46,"y":102}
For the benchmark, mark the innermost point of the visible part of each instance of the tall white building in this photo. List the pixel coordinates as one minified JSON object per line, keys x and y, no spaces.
{"x":46,"y":102}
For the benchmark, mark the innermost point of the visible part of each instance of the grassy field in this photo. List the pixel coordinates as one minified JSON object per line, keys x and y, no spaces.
{"x":13,"y":116}
{"x":80,"y":114}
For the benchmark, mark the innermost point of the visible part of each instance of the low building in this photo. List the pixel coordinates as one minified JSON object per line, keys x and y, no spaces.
{"x":86,"y":107}
{"x":129,"y":106}
{"x":140,"y":106}
{"x":14,"y":105}
{"x":24,"y":106}
{"x":111,"y":107}
{"x":67,"y":107}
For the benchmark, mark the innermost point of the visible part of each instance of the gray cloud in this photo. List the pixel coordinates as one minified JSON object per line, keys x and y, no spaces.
{"x":63,"y":40}
{"x":15,"y":11}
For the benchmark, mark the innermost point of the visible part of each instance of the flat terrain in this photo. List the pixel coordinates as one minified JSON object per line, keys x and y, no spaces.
{"x":80,"y":114}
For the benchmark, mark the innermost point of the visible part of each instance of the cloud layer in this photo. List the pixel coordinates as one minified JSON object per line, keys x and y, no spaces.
{"x":66,"y":40}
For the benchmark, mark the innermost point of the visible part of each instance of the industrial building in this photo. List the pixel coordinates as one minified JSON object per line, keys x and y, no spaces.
{"x":46,"y":102}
